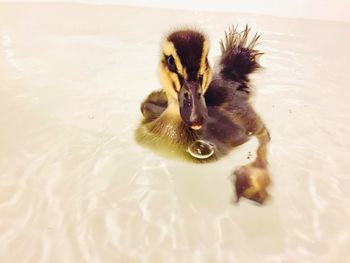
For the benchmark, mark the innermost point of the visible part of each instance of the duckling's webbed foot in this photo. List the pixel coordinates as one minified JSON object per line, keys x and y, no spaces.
{"x":253,"y":179}
{"x":154,"y":105}
{"x":252,"y":182}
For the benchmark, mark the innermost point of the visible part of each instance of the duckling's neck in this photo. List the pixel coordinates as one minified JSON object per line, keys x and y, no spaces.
{"x":173,"y":110}
{"x":170,"y":120}
{"x":167,"y":132}
{"x":170,"y":125}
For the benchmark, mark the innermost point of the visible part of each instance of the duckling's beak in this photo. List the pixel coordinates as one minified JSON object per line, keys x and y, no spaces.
{"x":193,"y":110}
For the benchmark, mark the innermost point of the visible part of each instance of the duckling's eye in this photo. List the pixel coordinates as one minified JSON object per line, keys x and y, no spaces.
{"x":171,"y":63}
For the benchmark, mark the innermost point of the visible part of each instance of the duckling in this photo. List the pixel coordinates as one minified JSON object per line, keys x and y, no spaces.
{"x":198,"y":104}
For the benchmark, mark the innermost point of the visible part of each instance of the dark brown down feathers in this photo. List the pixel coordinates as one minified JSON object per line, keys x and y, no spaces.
{"x":231,"y":119}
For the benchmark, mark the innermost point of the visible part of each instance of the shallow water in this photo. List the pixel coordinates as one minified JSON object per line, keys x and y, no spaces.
{"x":75,"y":187}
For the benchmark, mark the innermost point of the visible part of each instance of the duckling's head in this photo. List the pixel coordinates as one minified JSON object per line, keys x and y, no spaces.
{"x":185,"y":75}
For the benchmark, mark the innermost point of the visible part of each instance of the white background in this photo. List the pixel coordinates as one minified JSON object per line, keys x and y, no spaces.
{"x":338,"y":10}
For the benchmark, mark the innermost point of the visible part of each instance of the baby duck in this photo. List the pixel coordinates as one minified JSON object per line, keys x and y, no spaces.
{"x":196,"y":105}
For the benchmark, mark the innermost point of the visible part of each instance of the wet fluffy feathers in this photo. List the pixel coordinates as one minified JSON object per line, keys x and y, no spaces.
{"x":238,"y":54}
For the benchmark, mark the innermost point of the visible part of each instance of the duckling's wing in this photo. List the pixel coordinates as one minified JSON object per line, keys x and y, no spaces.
{"x":154,"y":105}
{"x":239,"y":56}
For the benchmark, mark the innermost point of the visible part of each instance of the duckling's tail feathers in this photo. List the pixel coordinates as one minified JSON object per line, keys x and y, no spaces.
{"x":239,"y":56}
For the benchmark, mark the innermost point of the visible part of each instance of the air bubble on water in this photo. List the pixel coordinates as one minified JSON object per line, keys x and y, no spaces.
{"x":201,"y":149}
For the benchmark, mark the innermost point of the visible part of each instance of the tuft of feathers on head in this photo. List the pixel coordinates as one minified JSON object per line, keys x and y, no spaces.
{"x":238,"y":54}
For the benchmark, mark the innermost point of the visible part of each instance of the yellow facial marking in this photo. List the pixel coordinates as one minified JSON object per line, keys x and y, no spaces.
{"x":204,"y":69}
{"x":169,"y":50}
{"x":175,"y":80}
{"x":167,"y":79}
{"x":170,"y":80}
{"x":206,"y":79}
{"x":204,"y":56}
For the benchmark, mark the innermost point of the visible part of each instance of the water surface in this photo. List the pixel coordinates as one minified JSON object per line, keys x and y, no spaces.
{"x":75,"y":187}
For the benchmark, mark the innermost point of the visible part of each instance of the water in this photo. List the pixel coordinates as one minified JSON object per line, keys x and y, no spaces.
{"x":75,"y":187}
